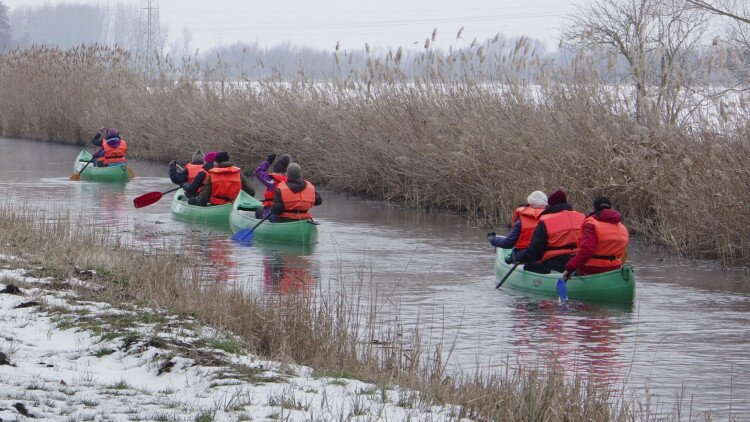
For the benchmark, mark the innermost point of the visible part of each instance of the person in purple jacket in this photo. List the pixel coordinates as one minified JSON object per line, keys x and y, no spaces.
{"x":270,"y":180}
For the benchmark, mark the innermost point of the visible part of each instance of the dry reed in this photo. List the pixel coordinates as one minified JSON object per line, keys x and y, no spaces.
{"x":448,"y":138}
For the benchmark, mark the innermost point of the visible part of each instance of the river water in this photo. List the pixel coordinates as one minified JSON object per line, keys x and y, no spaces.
{"x":687,"y":333}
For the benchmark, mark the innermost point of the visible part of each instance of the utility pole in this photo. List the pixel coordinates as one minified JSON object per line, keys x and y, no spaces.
{"x":149,"y":33}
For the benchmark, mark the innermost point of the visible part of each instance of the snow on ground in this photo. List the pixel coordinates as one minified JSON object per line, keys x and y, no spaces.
{"x":63,"y":358}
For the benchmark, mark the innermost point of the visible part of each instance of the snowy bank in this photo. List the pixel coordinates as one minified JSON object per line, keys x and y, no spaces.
{"x":64,"y":358}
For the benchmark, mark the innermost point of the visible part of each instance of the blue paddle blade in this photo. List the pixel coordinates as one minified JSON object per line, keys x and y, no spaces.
{"x":562,"y":289}
{"x":244,"y":236}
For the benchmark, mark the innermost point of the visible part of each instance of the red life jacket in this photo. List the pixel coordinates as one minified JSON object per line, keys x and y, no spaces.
{"x":529,"y":219}
{"x":226,"y":184}
{"x":611,"y":242}
{"x":563,"y":233}
{"x":278,"y":178}
{"x":114,"y":155}
{"x":297,"y":204}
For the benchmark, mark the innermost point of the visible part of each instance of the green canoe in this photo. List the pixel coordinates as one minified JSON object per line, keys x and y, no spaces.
{"x":614,"y":287}
{"x":100,"y":174}
{"x":213,"y":214}
{"x":243,"y":216}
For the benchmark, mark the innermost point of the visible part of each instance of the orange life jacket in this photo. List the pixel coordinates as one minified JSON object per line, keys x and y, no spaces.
{"x":114,"y":155}
{"x":611,"y":242}
{"x":192,"y":171}
{"x":563,"y":233}
{"x":297,"y":204}
{"x":278,"y":178}
{"x":529,"y":219}
{"x":226,"y":184}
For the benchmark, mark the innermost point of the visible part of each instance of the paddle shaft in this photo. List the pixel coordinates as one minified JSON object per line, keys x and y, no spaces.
{"x":242,"y":236}
{"x":84,"y":167}
{"x":507,"y":275}
{"x":170,"y":191}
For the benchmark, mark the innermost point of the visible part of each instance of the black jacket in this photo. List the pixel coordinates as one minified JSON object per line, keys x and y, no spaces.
{"x":295,"y":185}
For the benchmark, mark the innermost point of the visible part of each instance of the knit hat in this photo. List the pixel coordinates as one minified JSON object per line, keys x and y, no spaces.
{"x":112,"y":132}
{"x":556,"y":198}
{"x":210,"y":156}
{"x":197,"y":156}
{"x":602,"y":203}
{"x":537,"y":199}
{"x":222,"y":157}
{"x":294,"y":171}
{"x":281,"y":164}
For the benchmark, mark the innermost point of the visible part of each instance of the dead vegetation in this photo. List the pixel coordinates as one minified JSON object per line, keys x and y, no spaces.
{"x":450,"y":139}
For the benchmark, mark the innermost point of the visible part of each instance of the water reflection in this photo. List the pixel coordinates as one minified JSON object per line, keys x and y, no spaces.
{"x":288,"y":268}
{"x":584,"y":339}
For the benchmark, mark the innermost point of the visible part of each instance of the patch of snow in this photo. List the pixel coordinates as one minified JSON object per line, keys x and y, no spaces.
{"x":70,"y":373}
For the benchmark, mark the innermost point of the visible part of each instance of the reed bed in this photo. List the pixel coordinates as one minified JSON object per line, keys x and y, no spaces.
{"x":447,"y":136}
{"x":331,"y":332}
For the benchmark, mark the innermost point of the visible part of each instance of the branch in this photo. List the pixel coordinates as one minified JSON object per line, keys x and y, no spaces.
{"x":713,"y":9}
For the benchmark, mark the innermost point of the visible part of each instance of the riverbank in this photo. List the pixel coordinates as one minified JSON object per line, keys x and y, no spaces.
{"x":332,"y":335}
{"x":478,"y":149}
{"x":64,"y":357}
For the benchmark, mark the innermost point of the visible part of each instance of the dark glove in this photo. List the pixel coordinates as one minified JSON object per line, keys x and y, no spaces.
{"x":185,"y":185}
{"x":490,"y":235}
{"x":271,"y":157}
{"x":512,"y":259}
{"x":172,"y":163}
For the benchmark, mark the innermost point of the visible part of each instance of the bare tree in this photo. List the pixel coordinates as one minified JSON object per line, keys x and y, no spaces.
{"x":736,"y":32}
{"x":659,"y":41}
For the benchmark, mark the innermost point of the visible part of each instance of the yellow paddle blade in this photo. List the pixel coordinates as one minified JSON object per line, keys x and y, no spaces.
{"x":131,"y":173}
{"x":76,"y":176}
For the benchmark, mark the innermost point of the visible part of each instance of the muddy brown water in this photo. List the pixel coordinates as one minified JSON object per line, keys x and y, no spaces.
{"x":687,"y":333}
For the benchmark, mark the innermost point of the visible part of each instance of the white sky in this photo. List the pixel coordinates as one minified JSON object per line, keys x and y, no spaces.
{"x":321,"y":23}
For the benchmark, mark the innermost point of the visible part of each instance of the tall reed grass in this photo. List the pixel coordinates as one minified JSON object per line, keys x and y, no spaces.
{"x":450,"y":138}
{"x":332,"y":333}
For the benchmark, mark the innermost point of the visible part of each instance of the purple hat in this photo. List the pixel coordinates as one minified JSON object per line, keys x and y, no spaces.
{"x":210,"y":156}
{"x":112,"y":132}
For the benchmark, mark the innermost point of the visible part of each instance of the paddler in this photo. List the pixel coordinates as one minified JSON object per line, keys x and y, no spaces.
{"x":603,"y":244}
{"x":113,"y":148}
{"x":295,"y":197}
{"x":270,"y":180}
{"x":555,"y":238}
{"x":524,"y":221}
{"x":223,"y":183}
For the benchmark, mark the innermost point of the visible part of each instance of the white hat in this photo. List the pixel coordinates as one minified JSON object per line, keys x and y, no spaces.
{"x":537,"y":199}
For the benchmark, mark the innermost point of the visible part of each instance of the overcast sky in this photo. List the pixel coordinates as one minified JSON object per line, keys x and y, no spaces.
{"x":321,"y":23}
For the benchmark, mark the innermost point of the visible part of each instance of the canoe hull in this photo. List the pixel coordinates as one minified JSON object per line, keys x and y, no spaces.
{"x":217,"y":215}
{"x":113,"y":174}
{"x":612,"y":287}
{"x":243,"y":217}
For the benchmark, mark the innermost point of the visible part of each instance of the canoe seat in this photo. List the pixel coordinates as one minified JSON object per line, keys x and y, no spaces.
{"x":249,"y":208}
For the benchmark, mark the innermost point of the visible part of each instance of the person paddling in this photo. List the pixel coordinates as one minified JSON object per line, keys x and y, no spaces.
{"x":113,"y":148}
{"x":223,"y":183}
{"x":294,"y":197}
{"x":524,"y":221}
{"x":603,"y":243}
{"x":193,"y":176}
{"x":555,"y":238}
{"x":270,"y":180}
